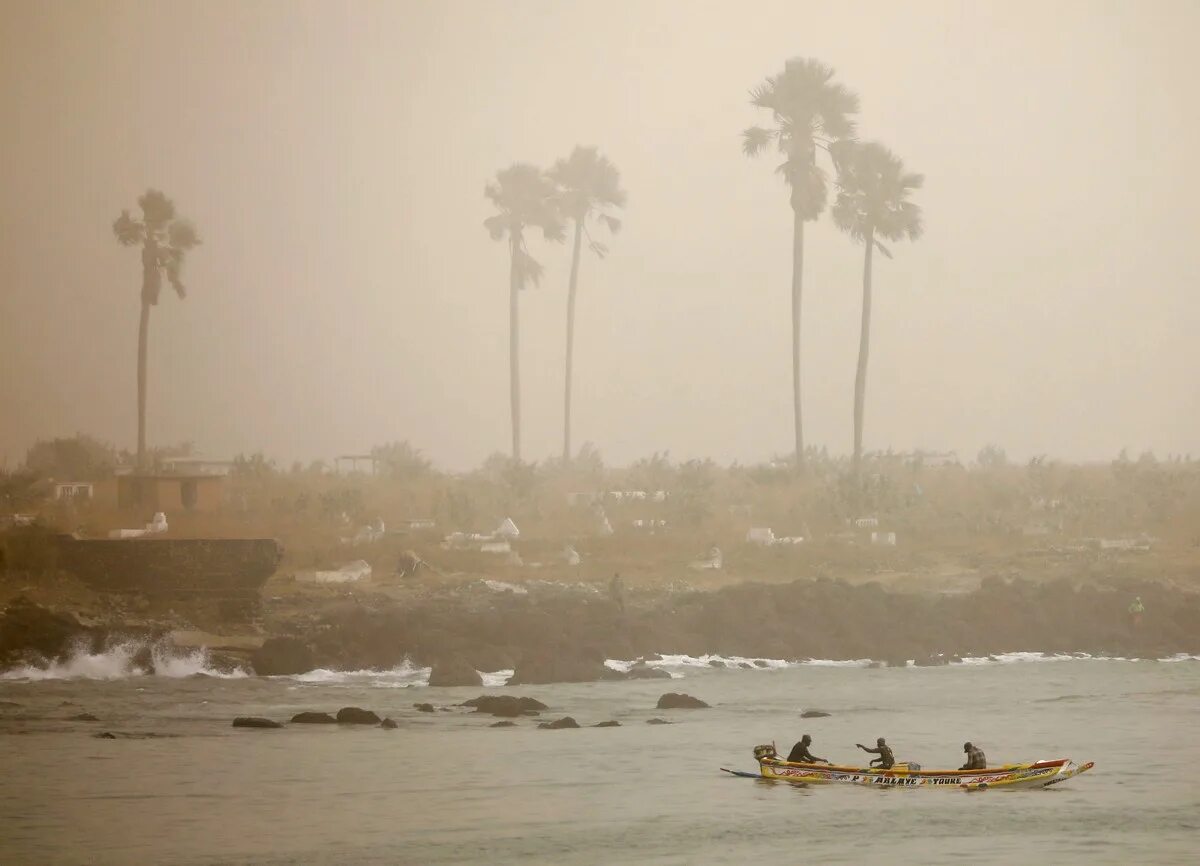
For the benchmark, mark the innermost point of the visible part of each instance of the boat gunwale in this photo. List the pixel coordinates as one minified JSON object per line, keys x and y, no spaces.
{"x":904,"y":771}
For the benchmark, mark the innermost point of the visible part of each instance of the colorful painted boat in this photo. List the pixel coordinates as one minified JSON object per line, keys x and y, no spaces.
{"x":1038,"y":774}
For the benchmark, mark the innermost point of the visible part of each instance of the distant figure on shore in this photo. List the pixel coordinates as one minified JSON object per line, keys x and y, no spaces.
{"x":976,"y":760}
{"x":801,"y":755}
{"x":616,"y":591}
{"x":1135,"y":611}
{"x":886,"y":759}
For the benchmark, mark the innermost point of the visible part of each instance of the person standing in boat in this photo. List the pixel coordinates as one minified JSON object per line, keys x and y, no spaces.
{"x":975,"y":758}
{"x":801,"y":755}
{"x":886,"y":759}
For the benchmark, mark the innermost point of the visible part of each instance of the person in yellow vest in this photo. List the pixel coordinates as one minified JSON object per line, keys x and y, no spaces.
{"x":1135,"y":611}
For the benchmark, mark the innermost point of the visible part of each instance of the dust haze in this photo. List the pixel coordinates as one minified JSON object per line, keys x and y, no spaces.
{"x":334,"y":159}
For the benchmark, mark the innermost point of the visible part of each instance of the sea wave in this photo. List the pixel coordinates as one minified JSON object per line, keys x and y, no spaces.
{"x":406,"y":675}
{"x":123,"y":660}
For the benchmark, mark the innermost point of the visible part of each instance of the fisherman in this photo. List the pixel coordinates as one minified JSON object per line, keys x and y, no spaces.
{"x":801,"y":755}
{"x":616,"y":592}
{"x":975,"y":758}
{"x":886,"y":759}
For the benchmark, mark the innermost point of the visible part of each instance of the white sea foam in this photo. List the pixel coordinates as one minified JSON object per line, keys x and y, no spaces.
{"x":403,"y":676}
{"x":495,"y":678}
{"x":120,"y":661}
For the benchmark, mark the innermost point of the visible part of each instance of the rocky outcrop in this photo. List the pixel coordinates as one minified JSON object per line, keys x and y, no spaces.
{"x":455,"y":671}
{"x":424,"y":708}
{"x":814,"y":714}
{"x":608,"y":724}
{"x":675,"y":701}
{"x":559,"y":724}
{"x":356,"y":716}
{"x":27,"y":628}
{"x":255,"y":722}
{"x":282,"y":656}
{"x":504,"y":724}
{"x":388,"y":724}
{"x":657,"y":722}
{"x":506,"y":706}
{"x":563,"y":666}
{"x":82,"y":717}
{"x":643,"y":671}
{"x":310,"y":718}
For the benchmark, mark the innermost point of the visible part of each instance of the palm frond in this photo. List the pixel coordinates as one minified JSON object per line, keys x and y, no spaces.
{"x":755,"y":140}
{"x":872,"y":198}
{"x":529,"y":269}
{"x":611,"y":223}
{"x":598,"y":248}
{"x":157,"y":209}
{"x":182,"y":235}
{"x":496,"y":225}
{"x":128,"y":231}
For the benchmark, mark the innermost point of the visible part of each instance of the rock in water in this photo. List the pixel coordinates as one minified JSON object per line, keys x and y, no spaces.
{"x":82,"y":717}
{"x":313,"y":719}
{"x":502,"y":725}
{"x":562,"y":667}
{"x":643,"y":671}
{"x":282,"y":656}
{"x":26,"y":626}
{"x":424,"y":708}
{"x":610,"y":724}
{"x":814,"y":714}
{"x":673,"y":701}
{"x":506,"y":706}
{"x":564,"y":722}
{"x":105,"y":735}
{"x":388,"y":724}
{"x":657,"y":722}
{"x":456,"y":671}
{"x":255,"y":722}
{"x":356,"y":716}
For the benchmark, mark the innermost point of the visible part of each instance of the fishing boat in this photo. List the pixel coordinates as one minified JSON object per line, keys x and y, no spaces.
{"x":1037,"y":774}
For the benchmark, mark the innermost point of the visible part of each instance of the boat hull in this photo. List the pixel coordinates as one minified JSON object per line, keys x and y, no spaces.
{"x":1038,"y":774}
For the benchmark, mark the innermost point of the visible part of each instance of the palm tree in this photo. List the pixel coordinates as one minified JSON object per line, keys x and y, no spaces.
{"x":808,"y":111}
{"x":588,"y":186}
{"x":165,"y":242}
{"x":524,"y":197}
{"x":872,"y":203}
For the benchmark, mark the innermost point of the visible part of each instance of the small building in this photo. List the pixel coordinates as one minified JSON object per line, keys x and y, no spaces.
{"x":170,"y":493}
{"x":74,"y":491}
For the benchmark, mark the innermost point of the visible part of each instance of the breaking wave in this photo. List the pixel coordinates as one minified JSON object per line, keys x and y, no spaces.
{"x":404,"y":676}
{"x":123,"y":660}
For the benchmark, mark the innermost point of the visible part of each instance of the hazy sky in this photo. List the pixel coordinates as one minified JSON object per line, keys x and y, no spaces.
{"x":334,"y":156}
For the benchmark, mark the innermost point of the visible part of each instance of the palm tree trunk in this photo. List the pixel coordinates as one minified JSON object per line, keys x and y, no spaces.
{"x":864,"y":344}
{"x":514,"y":340}
{"x":571,"y":340}
{"x":143,"y":338}
{"x":797,"y":282}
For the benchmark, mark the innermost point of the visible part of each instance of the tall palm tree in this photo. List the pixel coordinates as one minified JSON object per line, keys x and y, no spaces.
{"x":588,"y":186}
{"x":872,"y":203}
{"x":524,"y":197}
{"x":809,"y":112}
{"x":165,"y":242}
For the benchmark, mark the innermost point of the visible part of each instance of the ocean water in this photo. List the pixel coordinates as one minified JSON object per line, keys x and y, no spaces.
{"x":180,"y":785}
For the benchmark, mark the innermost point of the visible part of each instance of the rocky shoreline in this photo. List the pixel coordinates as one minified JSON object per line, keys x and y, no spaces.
{"x":564,"y":634}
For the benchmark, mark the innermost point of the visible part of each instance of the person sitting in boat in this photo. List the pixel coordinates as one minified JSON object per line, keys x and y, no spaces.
{"x":886,"y":759}
{"x":801,"y":755}
{"x":975,"y":758}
